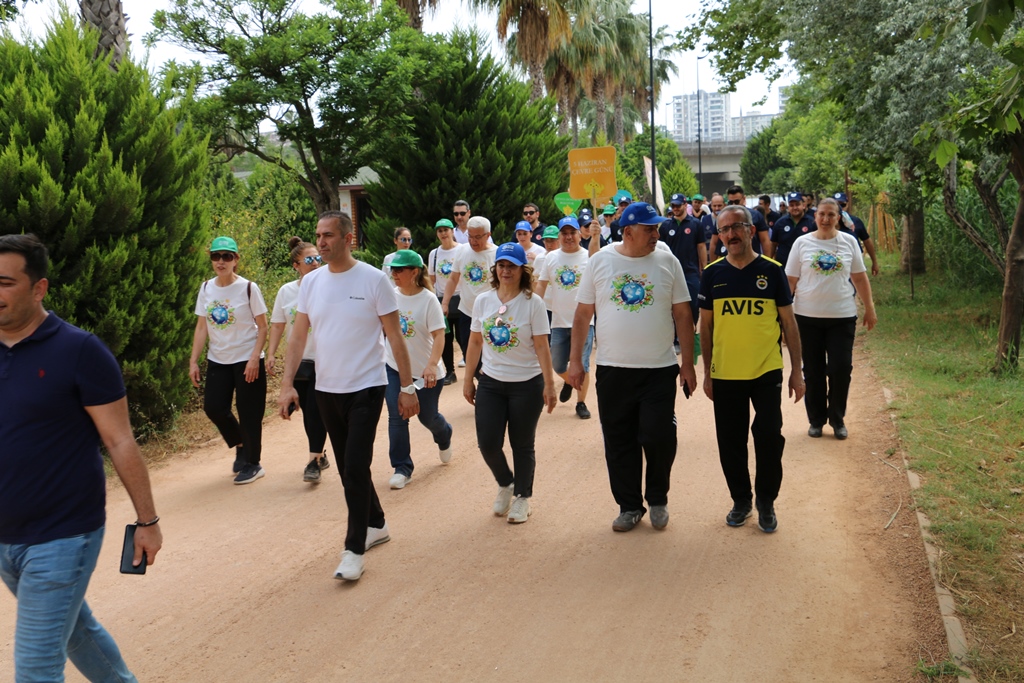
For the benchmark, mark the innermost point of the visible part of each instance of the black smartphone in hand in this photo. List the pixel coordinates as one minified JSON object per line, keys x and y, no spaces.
{"x":128,"y":553}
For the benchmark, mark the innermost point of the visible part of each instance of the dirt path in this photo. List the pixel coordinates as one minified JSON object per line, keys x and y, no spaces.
{"x":243,"y":589}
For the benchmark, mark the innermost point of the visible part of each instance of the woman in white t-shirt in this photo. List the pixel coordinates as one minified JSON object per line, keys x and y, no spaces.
{"x":440,"y":263}
{"x":422,"y":325}
{"x":826,"y":270}
{"x":304,"y":259}
{"x":402,"y":240}
{"x":509,"y":334}
{"x":232,"y":316}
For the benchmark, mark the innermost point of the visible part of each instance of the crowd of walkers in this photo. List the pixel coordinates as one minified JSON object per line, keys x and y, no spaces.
{"x":651,"y":293}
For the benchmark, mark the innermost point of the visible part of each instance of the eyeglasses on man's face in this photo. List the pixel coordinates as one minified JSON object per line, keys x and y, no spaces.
{"x":460,"y":213}
{"x":722,"y":229}
{"x":528,"y":212}
{"x":735,"y":202}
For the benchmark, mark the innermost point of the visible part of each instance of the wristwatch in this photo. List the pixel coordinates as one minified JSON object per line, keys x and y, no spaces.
{"x":411,"y":389}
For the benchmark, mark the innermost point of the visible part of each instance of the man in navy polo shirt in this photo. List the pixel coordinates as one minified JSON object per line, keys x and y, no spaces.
{"x":685,"y":238}
{"x":794,"y":224}
{"x":857,"y":228}
{"x":61,"y":394}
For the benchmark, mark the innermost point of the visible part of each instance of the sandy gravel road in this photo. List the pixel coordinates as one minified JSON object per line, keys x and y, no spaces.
{"x":243,"y":590}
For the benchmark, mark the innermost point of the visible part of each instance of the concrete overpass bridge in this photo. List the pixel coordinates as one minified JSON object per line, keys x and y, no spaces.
{"x":720,"y":162}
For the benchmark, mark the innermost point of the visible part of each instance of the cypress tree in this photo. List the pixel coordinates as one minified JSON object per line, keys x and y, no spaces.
{"x":105,"y":171}
{"x":479,"y":138}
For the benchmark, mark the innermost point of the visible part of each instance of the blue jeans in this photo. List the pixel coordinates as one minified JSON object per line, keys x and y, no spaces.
{"x":54,"y":622}
{"x":398,"y":427}
{"x":561,"y":343}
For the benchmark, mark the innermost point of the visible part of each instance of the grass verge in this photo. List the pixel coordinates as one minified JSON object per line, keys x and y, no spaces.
{"x":962,"y":430}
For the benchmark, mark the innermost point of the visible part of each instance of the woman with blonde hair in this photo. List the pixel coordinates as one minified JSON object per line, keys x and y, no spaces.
{"x":304,"y":259}
{"x":422,"y":326}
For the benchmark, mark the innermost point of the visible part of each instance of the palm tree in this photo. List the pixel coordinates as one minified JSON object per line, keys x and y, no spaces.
{"x":108,"y":17}
{"x":415,"y":10}
{"x":595,"y":51}
{"x":664,"y":69}
{"x":631,"y":42}
{"x":539,"y":26}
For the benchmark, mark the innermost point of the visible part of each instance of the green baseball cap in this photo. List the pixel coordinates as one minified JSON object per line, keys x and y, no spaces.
{"x":609,"y":209}
{"x":550,"y":232}
{"x":699,"y":197}
{"x":224,"y":244}
{"x":405,"y":258}
{"x":443,"y":223}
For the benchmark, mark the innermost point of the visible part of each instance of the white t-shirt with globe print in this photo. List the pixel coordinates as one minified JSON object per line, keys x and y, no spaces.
{"x":474,"y":269}
{"x":508,"y":353}
{"x":563,"y":272}
{"x":286,"y":306}
{"x":633,"y":299}
{"x":230,"y":314}
{"x":418,"y":316}
{"x":440,"y":264}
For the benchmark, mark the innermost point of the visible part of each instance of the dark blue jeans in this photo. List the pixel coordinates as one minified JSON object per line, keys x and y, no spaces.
{"x":398,"y":427}
{"x":517,"y":406}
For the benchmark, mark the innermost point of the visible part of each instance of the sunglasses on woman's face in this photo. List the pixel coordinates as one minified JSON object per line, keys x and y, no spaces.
{"x":401,"y":269}
{"x":406,"y":240}
{"x":222,"y":256}
{"x":310,"y":260}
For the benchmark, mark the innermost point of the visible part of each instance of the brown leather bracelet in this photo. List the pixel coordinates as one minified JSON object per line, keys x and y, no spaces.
{"x":155,"y":520}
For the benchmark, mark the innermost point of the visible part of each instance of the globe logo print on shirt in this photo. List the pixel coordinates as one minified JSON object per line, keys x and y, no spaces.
{"x":475,"y":272}
{"x":408,"y":324}
{"x":446,"y":268}
{"x":632,"y":293}
{"x":567,"y":277}
{"x":500,"y":335}
{"x":826,"y":263}
{"x":220,"y":314}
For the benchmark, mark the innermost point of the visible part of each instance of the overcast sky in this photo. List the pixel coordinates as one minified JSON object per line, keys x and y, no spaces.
{"x":675,"y":13}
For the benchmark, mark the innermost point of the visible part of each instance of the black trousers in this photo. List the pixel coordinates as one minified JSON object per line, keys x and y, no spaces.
{"x":517,"y":406}
{"x":246,"y":432}
{"x":637,"y":408}
{"x":827,"y":349}
{"x":448,"y":355}
{"x":462,"y":329}
{"x":316,"y":433}
{"x":733,"y":399}
{"x":351,"y":420}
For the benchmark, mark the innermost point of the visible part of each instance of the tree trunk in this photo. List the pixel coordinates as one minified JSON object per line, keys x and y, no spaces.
{"x":949,"y":189}
{"x":600,"y":110}
{"x":537,"y":78}
{"x":620,"y":129}
{"x":912,"y":246}
{"x":574,"y":113}
{"x":1011,"y":312}
{"x":563,"y":111}
{"x":107,"y":16}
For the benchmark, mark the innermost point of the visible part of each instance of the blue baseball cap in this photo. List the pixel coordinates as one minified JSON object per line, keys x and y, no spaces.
{"x":677,"y":198}
{"x":840,"y":197}
{"x":511,"y":251}
{"x":570,"y":221}
{"x":524,"y":225}
{"x":640,"y":213}
{"x":794,"y":197}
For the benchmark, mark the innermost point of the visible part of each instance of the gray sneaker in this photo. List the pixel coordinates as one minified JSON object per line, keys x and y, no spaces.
{"x":627,"y":520}
{"x":659,"y":516}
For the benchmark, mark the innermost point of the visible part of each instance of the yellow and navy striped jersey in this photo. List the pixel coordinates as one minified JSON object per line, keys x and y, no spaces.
{"x":747,"y":337}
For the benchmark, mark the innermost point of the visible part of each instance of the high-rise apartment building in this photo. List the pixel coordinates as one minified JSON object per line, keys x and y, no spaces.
{"x":714,"y":116}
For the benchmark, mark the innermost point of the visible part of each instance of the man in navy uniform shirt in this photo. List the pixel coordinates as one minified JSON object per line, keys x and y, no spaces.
{"x":791,"y":226}
{"x":684,"y":236}
{"x":858,"y":230}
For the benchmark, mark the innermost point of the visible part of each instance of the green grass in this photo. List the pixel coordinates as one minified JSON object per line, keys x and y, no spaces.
{"x":962,"y":430}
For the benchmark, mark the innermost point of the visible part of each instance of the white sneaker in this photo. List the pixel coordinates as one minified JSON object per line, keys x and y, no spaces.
{"x":504,"y":500}
{"x":377,"y":536}
{"x":398,"y":481}
{"x":462,"y":363}
{"x":520,"y":510}
{"x":351,"y":567}
{"x":445,"y":454}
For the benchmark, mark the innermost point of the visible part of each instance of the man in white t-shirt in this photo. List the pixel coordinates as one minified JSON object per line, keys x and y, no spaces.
{"x":348,"y":304}
{"x":559,"y":276}
{"x":461,"y":213}
{"x":471,"y":274}
{"x":641,"y":300}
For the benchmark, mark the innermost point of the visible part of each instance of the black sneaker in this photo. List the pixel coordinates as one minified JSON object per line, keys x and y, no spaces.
{"x":839,"y":430}
{"x":249,"y":474}
{"x":581,"y":411}
{"x":237,"y":467}
{"x":322,"y":462}
{"x":814,"y":431}
{"x":766,"y":519}
{"x":627,"y":520}
{"x":450,"y":378}
{"x":738,"y":515}
{"x":566,"y":393}
{"x":312,"y":472}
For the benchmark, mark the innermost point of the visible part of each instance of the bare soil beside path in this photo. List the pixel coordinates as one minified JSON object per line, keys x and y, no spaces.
{"x":243,"y":590}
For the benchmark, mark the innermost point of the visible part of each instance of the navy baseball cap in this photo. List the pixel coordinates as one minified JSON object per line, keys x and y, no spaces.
{"x":585,"y":216}
{"x":677,"y":199}
{"x":640,"y":213}
{"x":524,"y":225}
{"x":511,"y":251}
{"x":569,"y":220}
{"x":840,"y":197}
{"x":794,"y":197}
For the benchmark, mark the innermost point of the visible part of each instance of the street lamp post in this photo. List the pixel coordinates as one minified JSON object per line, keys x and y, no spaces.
{"x":650,"y":88}
{"x":700,"y":162}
